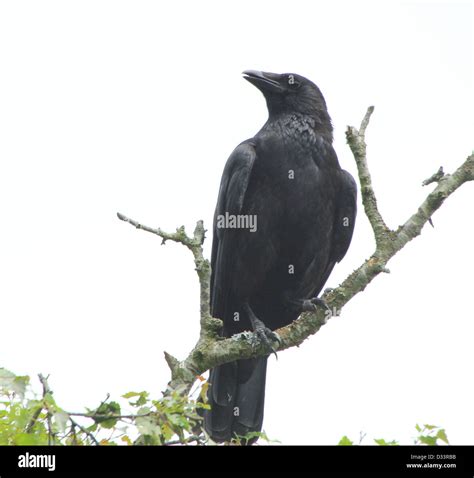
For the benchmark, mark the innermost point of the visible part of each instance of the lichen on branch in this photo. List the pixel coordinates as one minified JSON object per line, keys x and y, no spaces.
{"x":212,"y":350}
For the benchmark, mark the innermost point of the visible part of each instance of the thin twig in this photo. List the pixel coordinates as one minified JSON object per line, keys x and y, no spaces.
{"x":84,"y":430}
{"x":178,"y":236}
{"x":34,"y":419}
{"x":46,"y":391}
{"x":109,"y":416}
{"x":209,"y":326}
{"x":365,"y":121}
{"x":356,"y":141}
{"x":434,"y":178}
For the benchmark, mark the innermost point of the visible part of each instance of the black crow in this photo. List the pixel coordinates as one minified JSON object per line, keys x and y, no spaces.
{"x":285,"y":215}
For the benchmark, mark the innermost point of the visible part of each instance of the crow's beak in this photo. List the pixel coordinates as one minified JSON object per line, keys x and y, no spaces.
{"x":264,"y":81}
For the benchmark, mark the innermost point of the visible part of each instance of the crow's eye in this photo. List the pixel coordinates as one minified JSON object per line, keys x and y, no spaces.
{"x":292,"y":82}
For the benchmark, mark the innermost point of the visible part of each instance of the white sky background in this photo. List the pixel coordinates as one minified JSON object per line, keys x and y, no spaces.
{"x":135,"y":106}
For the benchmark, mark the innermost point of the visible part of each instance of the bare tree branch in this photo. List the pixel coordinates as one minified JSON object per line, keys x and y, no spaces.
{"x":434,"y":178}
{"x":212,"y":350}
{"x":356,"y":141}
{"x":101,"y":416}
{"x":209,"y":325}
{"x":365,"y":121}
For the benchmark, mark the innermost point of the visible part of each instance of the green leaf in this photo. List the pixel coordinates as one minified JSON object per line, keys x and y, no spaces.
{"x":250,"y":435}
{"x":203,"y":392}
{"x":179,"y":421}
{"x":48,"y":398}
{"x":20,"y":416}
{"x":145,"y":426}
{"x":344,"y":441}
{"x":31,"y":439}
{"x":427,"y":440}
{"x":442,"y":435}
{"x":142,"y":398}
{"x":382,"y":442}
{"x":148,"y":427}
{"x":92,"y":428}
{"x":131,"y":394}
{"x":19,"y":385}
{"x":430,"y":427}
{"x":167,"y":432}
{"x":110,"y":408}
{"x":6,"y":377}
{"x":108,"y":423}
{"x":33,"y":404}
{"x":12,"y":383}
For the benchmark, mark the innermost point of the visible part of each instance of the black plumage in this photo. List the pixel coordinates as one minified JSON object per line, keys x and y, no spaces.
{"x":287,"y":179}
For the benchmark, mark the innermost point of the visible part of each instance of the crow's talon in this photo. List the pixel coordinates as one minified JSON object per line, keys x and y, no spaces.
{"x":308,"y":306}
{"x":311,"y":305}
{"x":262,"y":332}
{"x":266,"y":335}
{"x":320,"y":303}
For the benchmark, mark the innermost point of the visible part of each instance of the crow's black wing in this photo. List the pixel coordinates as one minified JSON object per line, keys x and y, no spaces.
{"x":235,"y":180}
{"x":344,"y":222}
{"x":236,"y":385}
{"x":346,"y":211}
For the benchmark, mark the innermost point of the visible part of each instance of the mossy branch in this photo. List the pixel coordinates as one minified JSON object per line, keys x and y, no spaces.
{"x":212,"y":350}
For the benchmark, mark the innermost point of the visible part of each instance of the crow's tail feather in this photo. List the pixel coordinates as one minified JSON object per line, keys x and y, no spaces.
{"x":236,"y":396}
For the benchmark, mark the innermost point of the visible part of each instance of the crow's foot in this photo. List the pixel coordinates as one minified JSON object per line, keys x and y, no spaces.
{"x":311,"y":305}
{"x":264,"y":334}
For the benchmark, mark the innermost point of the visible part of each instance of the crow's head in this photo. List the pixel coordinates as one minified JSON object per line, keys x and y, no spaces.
{"x":289,"y":93}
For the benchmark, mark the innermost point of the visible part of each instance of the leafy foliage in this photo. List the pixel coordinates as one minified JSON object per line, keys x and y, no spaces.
{"x":345,"y":441}
{"x":431,"y":435}
{"x":383,"y":442}
{"x":243,"y":439}
{"x":27,"y":418}
{"x":426,"y":435}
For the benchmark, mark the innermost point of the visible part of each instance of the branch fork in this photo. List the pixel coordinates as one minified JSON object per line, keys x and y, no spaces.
{"x":212,"y":350}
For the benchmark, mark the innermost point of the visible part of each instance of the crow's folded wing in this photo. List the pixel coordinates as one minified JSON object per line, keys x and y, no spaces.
{"x":235,"y":180}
